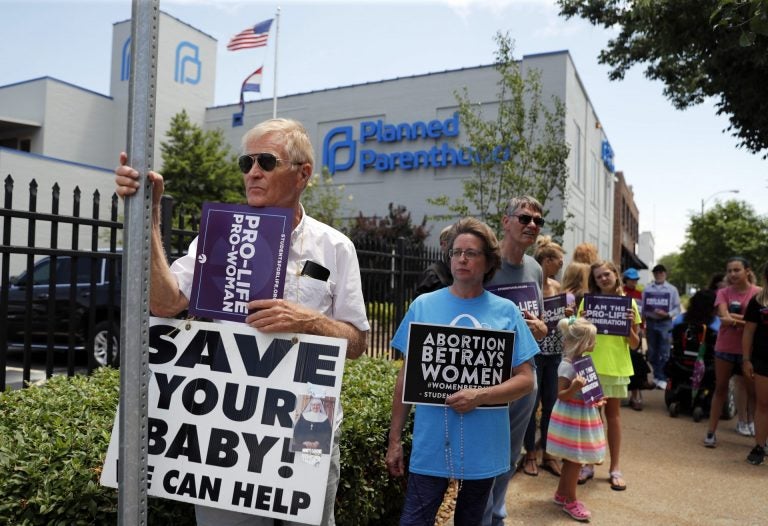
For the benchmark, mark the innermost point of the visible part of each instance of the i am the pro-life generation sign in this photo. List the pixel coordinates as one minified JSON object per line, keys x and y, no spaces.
{"x":610,"y":314}
{"x":592,"y":392}
{"x":242,"y":252}
{"x":443,"y":359}
{"x":224,"y":400}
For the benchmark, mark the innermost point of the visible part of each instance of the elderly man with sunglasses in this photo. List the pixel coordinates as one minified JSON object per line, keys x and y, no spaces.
{"x":276,"y":167}
{"x":521,"y":226}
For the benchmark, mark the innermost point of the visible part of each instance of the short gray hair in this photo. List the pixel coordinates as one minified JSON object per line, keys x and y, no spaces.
{"x":526,"y":201}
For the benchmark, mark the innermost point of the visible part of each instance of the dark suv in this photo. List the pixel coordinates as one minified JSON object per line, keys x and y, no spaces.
{"x":61,"y":305}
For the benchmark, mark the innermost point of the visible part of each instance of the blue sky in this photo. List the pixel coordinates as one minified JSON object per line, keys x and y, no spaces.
{"x":673,"y":159}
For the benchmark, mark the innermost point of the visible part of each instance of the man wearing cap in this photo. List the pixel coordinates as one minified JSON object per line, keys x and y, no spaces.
{"x":661,"y":303}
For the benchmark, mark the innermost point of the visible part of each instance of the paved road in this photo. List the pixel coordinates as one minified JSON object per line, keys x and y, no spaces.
{"x":672,"y":479}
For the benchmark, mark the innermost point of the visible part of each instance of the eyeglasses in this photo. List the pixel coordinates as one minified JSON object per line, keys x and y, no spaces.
{"x":526,"y":219}
{"x":266,"y":161}
{"x":469,"y":253}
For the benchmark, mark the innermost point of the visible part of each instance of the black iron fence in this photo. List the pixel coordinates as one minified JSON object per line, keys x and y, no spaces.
{"x":65,"y":300}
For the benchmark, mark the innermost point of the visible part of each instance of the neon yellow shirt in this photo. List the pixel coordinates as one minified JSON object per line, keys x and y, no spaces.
{"x":611,"y":354}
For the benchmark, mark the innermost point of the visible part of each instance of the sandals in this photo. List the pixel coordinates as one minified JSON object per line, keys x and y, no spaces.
{"x":551,"y":465}
{"x":529,"y":467}
{"x":577,"y":511}
{"x":560,"y":500}
{"x":587,"y":472}
{"x":617,"y":481}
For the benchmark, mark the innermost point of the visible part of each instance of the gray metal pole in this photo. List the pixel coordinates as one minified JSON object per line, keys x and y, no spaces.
{"x":134,"y":327}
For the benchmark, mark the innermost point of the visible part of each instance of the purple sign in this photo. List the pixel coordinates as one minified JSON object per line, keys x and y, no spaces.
{"x":608,"y":313}
{"x":655,"y":300}
{"x":524,"y":295}
{"x":554,"y":311}
{"x":242,"y":252}
{"x":591,"y":392}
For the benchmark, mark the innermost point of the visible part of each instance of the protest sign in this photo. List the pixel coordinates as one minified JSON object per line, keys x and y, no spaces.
{"x":223,"y":403}
{"x":443,"y":359}
{"x":522,"y":294}
{"x":608,"y":313}
{"x":554,"y":311}
{"x":655,"y":300}
{"x":591,"y":392}
{"x":241,"y":256}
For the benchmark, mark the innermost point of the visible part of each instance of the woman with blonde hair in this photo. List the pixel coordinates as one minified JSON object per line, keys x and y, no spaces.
{"x":614,"y":367}
{"x":549,"y":255}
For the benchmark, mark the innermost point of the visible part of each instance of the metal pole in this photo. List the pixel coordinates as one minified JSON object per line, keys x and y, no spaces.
{"x":277,"y":36}
{"x":134,"y":327}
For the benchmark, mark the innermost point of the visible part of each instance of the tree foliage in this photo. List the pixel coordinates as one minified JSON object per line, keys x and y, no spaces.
{"x":199,"y":166}
{"x":726,"y":230}
{"x":397,"y":223}
{"x":324,"y":200}
{"x":532,"y":131}
{"x":697,"y":48}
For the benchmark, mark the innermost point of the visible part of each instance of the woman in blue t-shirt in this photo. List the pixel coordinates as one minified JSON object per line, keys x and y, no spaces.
{"x":455,"y":440}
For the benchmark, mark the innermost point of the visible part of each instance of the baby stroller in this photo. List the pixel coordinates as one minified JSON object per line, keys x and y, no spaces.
{"x":691,"y":371}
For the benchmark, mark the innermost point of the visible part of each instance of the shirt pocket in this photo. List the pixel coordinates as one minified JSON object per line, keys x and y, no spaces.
{"x":316,"y":294}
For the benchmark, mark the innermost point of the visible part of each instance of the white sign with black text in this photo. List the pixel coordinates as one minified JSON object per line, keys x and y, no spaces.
{"x":224,"y":400}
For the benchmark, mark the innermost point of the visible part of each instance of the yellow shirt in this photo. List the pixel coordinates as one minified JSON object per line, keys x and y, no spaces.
{"x":611,"y":354}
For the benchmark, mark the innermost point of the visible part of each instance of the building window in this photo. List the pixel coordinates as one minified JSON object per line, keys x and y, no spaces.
{"x":25,"y":145}
{"x":608,"y":193}
{"x":577,"y":157}
{"x":594,"y":182}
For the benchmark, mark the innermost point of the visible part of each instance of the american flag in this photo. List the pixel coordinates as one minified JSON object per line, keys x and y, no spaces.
{"x":255,"y":36}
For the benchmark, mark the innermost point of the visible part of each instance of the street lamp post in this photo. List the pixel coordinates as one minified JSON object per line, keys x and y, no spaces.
{"x":703,"y":201}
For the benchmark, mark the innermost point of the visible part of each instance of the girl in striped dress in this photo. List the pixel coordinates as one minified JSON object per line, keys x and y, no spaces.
{"x":575,"y":429}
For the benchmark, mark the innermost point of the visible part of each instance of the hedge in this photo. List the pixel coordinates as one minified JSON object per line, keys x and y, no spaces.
{"x":54,"y":437}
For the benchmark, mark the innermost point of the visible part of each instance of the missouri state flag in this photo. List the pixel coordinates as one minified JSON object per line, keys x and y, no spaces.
{"x":252,"y":82}
{"x":255,"y":36}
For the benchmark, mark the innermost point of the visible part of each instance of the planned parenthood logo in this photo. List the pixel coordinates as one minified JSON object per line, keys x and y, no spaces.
{"x":187,"y":64}
{"x":342,"y":150}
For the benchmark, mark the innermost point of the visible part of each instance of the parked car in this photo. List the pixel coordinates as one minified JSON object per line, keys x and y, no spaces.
{"x":66,"y":316}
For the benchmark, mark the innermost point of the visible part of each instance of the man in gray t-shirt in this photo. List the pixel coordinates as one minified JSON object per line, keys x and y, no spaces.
{"x":521,"y":225}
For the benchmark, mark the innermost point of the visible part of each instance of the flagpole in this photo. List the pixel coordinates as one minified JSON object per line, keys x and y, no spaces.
{"x":277,"y":39}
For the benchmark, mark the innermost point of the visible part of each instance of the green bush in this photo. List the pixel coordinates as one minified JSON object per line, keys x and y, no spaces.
{"x":54,"y":438}
{"x":367,"y":494}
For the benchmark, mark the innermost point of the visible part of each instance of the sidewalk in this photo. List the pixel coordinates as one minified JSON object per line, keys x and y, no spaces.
{"x":671,"y":478}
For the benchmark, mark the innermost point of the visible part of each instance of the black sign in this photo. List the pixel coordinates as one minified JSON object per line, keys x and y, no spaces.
{"x":443,"y":359}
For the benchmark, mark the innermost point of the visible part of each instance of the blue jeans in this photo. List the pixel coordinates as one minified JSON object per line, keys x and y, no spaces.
{"x":546,"y":377}
{"x":425,"y":494}
{"x":519,"y":414}
{"x":659,"y":338}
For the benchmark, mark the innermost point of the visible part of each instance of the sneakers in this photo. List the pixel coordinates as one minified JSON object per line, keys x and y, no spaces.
{"x":751,"y":429}
{"x":755,"y":457}
{"x":710,"y":440}
{"x":577,"y":511}
{"x":559,"y":499}
{"x":661,"y":384}
{"x":743,"y":429}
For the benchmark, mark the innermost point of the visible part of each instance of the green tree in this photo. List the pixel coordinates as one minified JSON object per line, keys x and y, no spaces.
{"x":199,"y":166}
{"x":397,"y":223}
{"x":697,"y":48}
{"x":324,"y":200}
{"x":532,"y":132}
{"x":725,"y":230}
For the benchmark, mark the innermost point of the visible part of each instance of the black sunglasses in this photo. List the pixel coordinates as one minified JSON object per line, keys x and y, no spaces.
{"x":526,"y":219}
{"x":266,"y":161}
